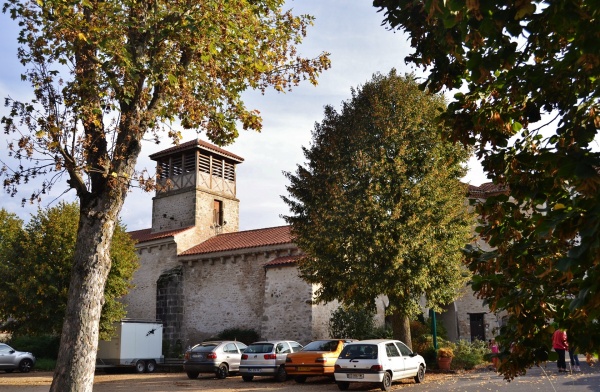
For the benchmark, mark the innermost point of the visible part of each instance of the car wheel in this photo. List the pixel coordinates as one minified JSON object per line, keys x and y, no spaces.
{"x":420,"y":374}
{"x":222,"y":371}
{"x":150,"y":366}
{"x":247,"y":378}
{"x":343,"y":385}
{"x":192,"y":375}
{"x":140,"y":366}
{"x":386,"y":384}
{"x":25,"y":365}
{"x":281,"y":375}
{"x":300,"y":379}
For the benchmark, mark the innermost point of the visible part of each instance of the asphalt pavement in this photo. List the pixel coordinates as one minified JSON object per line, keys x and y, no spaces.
{"x":545,"y":379}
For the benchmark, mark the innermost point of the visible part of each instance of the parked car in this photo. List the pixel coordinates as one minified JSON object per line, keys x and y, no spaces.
{"x":377,"y":361}
{"x":315,"y":359}
{"x":267,"y":358}
{"x":219,"y":357}
{"x":11,"y":359}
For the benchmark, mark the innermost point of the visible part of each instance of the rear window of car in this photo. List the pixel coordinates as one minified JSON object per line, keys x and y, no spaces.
{"x":204,"y":348}
{"x":364,"y":351}
{"x":262,"y":348}
{"x":322,"y":345}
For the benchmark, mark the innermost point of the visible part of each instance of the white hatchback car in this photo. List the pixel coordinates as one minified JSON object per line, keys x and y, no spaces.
{"x":377,"y":361}
{"x":267,"y":358}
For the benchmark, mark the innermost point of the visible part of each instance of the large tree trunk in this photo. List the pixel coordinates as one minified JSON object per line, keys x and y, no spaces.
{"x":79,"y":340}
{"x":401,"y":328}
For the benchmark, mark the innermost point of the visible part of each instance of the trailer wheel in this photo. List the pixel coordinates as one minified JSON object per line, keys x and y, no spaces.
{"x":140,"y":366}
{"x":150,"y":366}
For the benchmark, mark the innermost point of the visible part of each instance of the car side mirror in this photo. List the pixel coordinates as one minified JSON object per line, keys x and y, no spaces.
{"x":413,"y":355}
{"x":11,"y":352}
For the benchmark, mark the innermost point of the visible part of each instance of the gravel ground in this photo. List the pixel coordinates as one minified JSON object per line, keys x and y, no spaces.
{"x":177,"y":382}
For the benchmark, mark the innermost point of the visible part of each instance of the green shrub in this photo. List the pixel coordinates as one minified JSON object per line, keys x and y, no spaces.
{"x":352,"y":323}
{"x":468,"y":355}
{"x":382,"y":332}
{"x":46,"y":364}
{"x":245,"y":336}
{"x":43,"y":346}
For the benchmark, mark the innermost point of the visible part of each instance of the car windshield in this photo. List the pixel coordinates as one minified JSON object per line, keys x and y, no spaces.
{"x":321,"y":345}
{"x":261,"y":348}
{"x":204,"y":347}
{"x":354,"y":351}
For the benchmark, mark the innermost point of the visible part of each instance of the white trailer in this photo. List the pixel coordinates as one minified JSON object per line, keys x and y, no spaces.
{"x":138,"y":344}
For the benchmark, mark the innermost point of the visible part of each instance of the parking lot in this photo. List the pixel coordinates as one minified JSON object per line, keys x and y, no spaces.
{"x":536,"y":379}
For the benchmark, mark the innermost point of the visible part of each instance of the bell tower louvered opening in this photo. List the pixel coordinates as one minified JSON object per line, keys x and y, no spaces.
{"x":192,"y":178}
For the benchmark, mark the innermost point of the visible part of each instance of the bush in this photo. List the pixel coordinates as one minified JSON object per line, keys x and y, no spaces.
{"x":43,"y":346}
{"x":352,"y":323}
{"x":245,"y":336}
{"x":468,"y":355}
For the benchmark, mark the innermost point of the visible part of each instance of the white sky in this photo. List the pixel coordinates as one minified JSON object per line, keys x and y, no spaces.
{"x":349,"y":29}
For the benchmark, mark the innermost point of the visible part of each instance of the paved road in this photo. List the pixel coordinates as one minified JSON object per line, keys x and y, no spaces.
{"x":536,"y":379}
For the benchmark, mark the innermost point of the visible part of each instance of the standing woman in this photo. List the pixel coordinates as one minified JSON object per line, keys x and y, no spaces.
{"x":560,"y":345}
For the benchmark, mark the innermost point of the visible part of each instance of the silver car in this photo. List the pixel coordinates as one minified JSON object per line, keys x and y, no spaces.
{"x":267,"y":358}
{"x":11,"y":359}
{"x":218,"y":357}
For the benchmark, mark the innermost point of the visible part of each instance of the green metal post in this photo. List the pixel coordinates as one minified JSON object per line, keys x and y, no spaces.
{"x":433,"y":328}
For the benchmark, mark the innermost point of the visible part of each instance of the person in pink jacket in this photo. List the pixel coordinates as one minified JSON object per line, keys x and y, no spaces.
{"x":560,"y":345}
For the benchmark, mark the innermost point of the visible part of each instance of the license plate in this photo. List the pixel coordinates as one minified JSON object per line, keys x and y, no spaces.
{"x":254,"y":370}
{"x":197,"y":356}
{"x":355,"y":376}
{"x":304,"y":369}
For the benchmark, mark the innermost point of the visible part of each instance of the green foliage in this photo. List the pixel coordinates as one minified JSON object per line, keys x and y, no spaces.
{"x":379,"y":207}
{"x":468,"y":355}
{"x":35,"y":271}
{"x":42,"y":346}
{"x":351,"y":322}
{"x":518,"y":66}
{"x":245,"y":336}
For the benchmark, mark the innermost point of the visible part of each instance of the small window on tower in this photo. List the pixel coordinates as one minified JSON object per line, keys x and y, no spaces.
{"x":218,"y":213}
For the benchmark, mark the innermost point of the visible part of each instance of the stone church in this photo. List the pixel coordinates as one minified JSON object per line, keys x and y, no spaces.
{"x":200,"y":275}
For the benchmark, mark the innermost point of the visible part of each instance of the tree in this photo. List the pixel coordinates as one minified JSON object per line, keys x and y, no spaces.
{"x":35,"y":272}
{"x":106,"y":75}
{"x":379,"y":208}
{"x":516,"y":64}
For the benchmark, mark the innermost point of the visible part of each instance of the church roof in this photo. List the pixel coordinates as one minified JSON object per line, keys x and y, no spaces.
{"x":487,"y":189}
{"x":285,"y":260}
{"x":147,"y":234}
{"x":242,"y":240}
{"x":196,"y":144}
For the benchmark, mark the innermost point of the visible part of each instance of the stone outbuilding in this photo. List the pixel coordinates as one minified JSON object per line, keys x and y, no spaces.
{"x":200,"y":275}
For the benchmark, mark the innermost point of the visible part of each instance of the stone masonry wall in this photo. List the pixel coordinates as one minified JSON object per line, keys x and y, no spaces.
{"x":288,"y":308}
{"x":175,"y":211}
{"x":155,"y":259}
{"x":222,"y":293}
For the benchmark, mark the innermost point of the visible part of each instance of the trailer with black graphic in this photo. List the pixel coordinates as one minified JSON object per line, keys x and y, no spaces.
{"x":137,"y":344}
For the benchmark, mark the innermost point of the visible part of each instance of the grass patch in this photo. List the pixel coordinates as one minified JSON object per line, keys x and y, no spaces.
{"x":46,"y":364}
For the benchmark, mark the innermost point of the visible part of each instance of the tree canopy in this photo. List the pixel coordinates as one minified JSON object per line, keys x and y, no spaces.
{"x":379,"y":208}
{"x":527,"y":81}
{"x":107,"y":75}
{"x":35,"y":270}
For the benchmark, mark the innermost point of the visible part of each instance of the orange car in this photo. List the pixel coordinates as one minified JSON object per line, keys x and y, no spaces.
{"x":315,"y":359}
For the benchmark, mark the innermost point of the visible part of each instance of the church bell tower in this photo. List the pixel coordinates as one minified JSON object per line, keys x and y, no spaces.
{"x":196,"y":188}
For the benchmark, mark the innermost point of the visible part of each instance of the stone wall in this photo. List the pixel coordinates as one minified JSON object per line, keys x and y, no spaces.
{"x":170,"y":309}
{"x":174,"y":210}
{"x":155,"y":258}
{"x":223,"y":293}
{"x":287,"y":312}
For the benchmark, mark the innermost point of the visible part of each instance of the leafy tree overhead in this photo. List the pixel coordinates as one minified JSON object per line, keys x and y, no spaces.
{"x":35,"y":272}
{"x":518,"y":65}
{"x":379,"y":208}
{"x":107,"y":74}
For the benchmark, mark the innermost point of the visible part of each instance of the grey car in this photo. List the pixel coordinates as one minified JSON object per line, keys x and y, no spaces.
{"x":267,"y":358}
{"x":11,"y":359}
{"x":218,"y":357}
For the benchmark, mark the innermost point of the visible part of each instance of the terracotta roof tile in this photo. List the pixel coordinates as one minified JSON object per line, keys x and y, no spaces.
{"x":285,"y":260}
{"x":197,"y":143}
{"x":243,"y":239}
{"x":487,"y":189}
{"x":146,"y":235}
